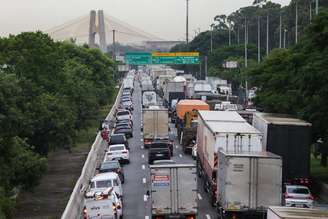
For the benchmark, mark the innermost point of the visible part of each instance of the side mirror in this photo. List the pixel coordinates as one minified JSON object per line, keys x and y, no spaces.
{"x":118,"y":207}
{"x":148,"y":193}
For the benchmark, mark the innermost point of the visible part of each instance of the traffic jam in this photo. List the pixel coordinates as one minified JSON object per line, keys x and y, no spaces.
{"x":179,"y":147}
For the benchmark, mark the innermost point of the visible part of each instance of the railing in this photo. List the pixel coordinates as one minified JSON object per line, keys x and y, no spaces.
{"x":74,"y":206}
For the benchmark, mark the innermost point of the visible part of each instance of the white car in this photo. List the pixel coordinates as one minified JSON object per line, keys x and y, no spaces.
{"x":194,"y":152}
{"x":103,"y":181}
{"x":123,"y":115}
{"x":117,"y":152}
{"x":106,"y":204}
{"x":298,"y":196}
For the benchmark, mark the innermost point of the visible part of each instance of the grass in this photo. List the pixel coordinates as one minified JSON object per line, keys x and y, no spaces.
{"x":317,"y":171}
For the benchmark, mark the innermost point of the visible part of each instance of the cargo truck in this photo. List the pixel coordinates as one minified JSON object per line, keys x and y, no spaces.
{"x":186,"y":120}
{"x":173,"y":90}
{"x":222,"y":130}
{"x":289,"y":138}
{"x":155,"y":125}
{"x":295,"y":213}
{"x":248,"y":183}
{"x":173,"y":191}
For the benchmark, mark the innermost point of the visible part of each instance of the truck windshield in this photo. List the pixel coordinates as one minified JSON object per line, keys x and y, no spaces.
{"x":104,"y":183}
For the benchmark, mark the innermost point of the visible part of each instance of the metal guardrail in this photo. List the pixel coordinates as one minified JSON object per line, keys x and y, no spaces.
{"x":74,"y":206}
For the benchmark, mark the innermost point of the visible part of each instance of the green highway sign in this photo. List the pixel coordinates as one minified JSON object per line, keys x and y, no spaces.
{"x":162,"y":58}
{"x":138,"y":58}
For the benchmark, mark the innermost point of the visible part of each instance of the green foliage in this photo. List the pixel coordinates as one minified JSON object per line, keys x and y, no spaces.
{"x":295,"y":81}
{"x":48,"y":91}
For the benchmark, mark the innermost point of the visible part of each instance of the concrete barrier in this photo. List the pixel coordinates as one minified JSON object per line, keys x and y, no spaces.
{"x":74,"y":206}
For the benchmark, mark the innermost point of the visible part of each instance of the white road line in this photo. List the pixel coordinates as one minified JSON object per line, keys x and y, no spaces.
{"x":143,"y":166}
{"x":142,"y":156}
{"x":144,"y":180}
{"x":142,"y":147}
{"x":145,"y":198}
{"x":199,"y":196}
{"x":176,"y":146}
{"x":208,"y":216}
{"x":146,"y":217}
{"x":141,"y":140}
{"x":180,"y":155}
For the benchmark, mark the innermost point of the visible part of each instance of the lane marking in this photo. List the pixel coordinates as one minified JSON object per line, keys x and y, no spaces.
{"x":176,"y":146}
{"x":146,"y":217}
{"x":144,"y":180}
{"x":142,"y":156}
{"x":208,"y":216}
{"x":145,"y":198}
{"x":142,"y":147}
{"x":143,"y":166}
{"x":141,"y":139}
{"x":180,"y":155}
{"x":199,"y":196}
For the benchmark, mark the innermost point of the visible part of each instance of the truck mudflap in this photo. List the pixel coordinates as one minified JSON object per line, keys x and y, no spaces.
{"x":237,"y":213}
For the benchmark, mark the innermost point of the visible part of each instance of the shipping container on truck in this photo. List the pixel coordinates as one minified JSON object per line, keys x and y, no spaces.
{"x":173,"y":90}
{"x":186,"y":111}
{"x":289,"y":138}
{"x":173,"y":191}
{"x":155,"y":125}
{"x":222,"y":130}
{"x":295,"y":213}
{"x":248,"y":183}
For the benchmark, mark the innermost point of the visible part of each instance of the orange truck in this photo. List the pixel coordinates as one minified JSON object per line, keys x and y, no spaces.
{"x":186,"y":122}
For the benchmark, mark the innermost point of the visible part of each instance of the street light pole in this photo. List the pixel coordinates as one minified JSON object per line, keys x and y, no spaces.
{"x":187,"y":21}
{"x":285,"y":32}
{"x":229,"y":33}
{"x":114,"y":46}
{"x":258,"y":39}
{"x":280,"y":27}
{"x":316,"y":7}
{"x":267,"y":41}
{"x":296,"y":23}
{"x":211,"y":38}
{"x":246,"y":43}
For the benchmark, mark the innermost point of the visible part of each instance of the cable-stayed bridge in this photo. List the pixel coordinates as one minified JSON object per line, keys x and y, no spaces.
{"x":97,"y":30}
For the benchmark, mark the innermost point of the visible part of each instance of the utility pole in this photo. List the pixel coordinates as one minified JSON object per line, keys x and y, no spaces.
{"x":316,"y":7}
{"x":238,"y":40}
{"x":246,"y":40}
{"x":296,"y":23}
{"x":267,"y":41}
{"x":229,"y":33}
{"x":280,"y":30}
{"x":285,"y":32}
{"x":187,"y":21}
{"x":258,"y":39}
{"x":114,"y":46}
{"x":310,"y":12}
{"x":205,"y":67}
{"x":211,"y":38}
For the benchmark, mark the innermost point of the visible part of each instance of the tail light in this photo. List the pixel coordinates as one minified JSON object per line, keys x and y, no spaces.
{"x":190,"y":217}
{"x":109,"y":153}
{"x":288,"y":196}
{"x":124,"y":152}
{"x":311,"y":197}
{"x":85,"y":213}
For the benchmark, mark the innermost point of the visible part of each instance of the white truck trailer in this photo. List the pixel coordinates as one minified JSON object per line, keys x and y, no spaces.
{"x":248,"y":183}
{"x":173,"y":191}
{"x":155,"y":125}
{"x":295,"y":213}
{"x":222,"y":130}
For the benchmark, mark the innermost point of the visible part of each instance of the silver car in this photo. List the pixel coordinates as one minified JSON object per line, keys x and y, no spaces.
{"x":298,"y":196}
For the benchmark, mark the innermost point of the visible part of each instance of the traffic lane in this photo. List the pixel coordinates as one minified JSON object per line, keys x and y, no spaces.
{"x":134,"y":188}
{"x":205,"y":210}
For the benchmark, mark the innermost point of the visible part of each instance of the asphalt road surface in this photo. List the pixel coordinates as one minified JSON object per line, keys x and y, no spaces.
{"x":136,"y":203}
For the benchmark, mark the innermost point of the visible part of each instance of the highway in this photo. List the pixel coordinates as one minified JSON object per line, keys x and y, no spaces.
{"x":136,"y":204}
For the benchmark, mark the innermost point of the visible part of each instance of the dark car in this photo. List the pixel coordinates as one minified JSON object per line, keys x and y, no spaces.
{"x":162,"y":144}
{"x":112,"y":166}
{"x":118,"y":139}
{"x":123,"y":125}
{"x":127,"y":131}
{"x":158,"y":154}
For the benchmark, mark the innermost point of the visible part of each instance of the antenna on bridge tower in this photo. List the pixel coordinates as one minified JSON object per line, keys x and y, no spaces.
{"x":100,"y":29}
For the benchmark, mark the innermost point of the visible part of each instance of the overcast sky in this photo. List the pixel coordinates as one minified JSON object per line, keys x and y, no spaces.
{"x":163,"y":18}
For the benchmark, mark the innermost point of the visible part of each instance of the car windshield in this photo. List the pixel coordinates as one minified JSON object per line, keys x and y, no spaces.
{"x":109,"y":165}
{"x":104,"y":183}
{"x":117,"y":148}
{"x":303,"y":191}
{"x":122,"y":113}
{"x":117,"y":138}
